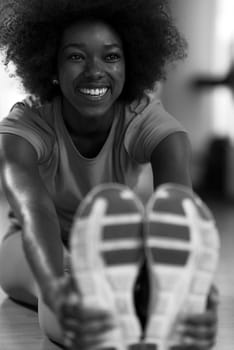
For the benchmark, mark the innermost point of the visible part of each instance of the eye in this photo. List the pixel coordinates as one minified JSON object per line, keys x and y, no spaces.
{"x":113,"y":57}
{"x":76,"y":57}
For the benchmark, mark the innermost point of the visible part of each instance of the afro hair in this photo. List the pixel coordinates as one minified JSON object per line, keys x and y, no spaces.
{"x":30,"y":33}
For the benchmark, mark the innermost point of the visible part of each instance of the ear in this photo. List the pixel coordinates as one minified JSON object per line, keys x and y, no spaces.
{"x":55,"y":81}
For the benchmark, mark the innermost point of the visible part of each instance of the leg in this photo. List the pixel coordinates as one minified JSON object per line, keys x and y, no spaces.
{"x":183,"y":252}
{"x":16,"y":279}
{"x":106,"y":254}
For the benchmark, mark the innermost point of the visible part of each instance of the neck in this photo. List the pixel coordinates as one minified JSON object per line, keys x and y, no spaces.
{"x":78,"y":124}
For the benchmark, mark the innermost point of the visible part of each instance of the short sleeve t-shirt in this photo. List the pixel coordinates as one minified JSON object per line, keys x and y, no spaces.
{"x":68,"y":176}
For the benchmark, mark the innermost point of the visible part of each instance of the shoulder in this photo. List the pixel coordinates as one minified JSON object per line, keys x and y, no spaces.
{"x":150,"y":110}
{"x":148,"y":125}
{"x":34,"y":111}
{"x":15,"y":149}
{"x":175,"y":146}
{"x":33,"y":122}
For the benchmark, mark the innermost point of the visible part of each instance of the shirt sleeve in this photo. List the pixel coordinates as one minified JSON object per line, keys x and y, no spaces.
{"x":147,"y":129}
{"x":25,"y":121}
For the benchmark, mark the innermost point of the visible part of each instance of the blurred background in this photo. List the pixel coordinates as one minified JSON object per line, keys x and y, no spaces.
{"x":199,"y":92}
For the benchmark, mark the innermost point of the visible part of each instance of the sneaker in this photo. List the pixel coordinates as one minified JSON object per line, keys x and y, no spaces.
{"x":182,"y":254}
{"x":106,"y":252}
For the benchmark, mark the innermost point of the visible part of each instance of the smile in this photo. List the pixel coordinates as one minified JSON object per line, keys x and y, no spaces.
{"x":98,"y":92}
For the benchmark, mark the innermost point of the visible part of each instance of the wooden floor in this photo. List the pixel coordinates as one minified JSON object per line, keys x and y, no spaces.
{"x":19,"y":328}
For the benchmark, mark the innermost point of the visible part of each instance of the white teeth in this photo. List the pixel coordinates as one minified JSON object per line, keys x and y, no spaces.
{"x":94,"y":92}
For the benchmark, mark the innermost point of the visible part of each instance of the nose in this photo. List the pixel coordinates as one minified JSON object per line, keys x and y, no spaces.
{"x":94,"y":69}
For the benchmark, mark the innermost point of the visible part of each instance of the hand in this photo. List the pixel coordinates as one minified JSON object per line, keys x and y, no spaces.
{"x":83,"y":326}
{"x":199,"y":331}
{"x":89,"y":331}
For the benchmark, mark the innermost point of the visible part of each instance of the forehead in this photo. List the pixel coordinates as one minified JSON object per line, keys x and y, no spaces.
{"x":88,"y":31}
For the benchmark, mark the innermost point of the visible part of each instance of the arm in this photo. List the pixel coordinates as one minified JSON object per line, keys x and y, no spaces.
{"x":42,"y":244}
{"x":170,"y":160}
{"x":34,"y":209}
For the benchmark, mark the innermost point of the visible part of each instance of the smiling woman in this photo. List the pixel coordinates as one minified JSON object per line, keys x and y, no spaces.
{"x":91,"y":72}
{"x":92,"y":118}
{"x":32,"y":36}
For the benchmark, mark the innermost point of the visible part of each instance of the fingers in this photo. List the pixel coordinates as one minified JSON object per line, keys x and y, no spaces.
{"x":97,"y":326}
{"x":87,"y":335}
{"x":94,"y":322}
{"x":83,"y":326}
{"x":189,"y":343}
{"x":92,"y":326}
{"x":81,"y":344}
{"x":206,"y":319}
{"x":199,"y":331}
{"x":86,"y":327}
{"x":97,"y":314}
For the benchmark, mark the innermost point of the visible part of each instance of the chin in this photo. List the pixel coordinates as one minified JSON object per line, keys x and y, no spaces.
{"x":94,"y":112}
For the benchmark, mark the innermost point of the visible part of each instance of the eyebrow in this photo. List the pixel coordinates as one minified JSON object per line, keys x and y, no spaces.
{"x":82,"y":46}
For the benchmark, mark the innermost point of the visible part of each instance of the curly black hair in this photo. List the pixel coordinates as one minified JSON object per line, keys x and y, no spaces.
{"x":30,"y":32}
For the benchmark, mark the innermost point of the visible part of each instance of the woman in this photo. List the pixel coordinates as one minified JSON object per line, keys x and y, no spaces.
{"x":88,"y":66}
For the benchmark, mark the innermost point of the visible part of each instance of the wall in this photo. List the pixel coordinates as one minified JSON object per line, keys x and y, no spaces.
{"x":193,"y":109}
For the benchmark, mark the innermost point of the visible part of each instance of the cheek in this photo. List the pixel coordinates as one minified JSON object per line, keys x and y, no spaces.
{"x":119,"y":73}
{"x":68,"y":73}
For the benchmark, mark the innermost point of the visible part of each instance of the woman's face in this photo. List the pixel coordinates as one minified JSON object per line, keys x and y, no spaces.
{"x":91,"y":67}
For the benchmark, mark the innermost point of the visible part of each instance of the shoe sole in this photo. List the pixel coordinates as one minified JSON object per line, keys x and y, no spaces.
{"x":182,"y":252}
{"x":106,"y":251}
